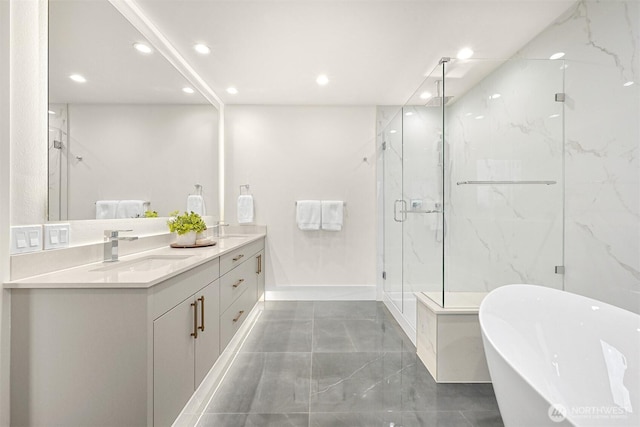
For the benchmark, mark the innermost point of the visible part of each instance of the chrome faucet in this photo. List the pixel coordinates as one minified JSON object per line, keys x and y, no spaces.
{"x":216,"y":228}
{"x":111,"y":239}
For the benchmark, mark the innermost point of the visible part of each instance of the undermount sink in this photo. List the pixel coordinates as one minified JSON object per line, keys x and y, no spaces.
{"x":148,"y":263}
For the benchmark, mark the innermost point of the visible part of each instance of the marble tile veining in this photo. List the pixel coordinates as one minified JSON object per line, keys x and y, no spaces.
{"x":360,"y":371}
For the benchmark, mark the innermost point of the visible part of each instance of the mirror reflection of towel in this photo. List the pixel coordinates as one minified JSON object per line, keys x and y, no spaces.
{"x":106,"y":209}
{"x":195,"y":204}
{"x":245,"y":209}
{"x":130,"y":209}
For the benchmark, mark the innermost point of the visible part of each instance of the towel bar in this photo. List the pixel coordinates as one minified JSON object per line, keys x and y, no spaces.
{"x":505,"y":182}
{"x":343,"y":203}
{"x":147,"y":204}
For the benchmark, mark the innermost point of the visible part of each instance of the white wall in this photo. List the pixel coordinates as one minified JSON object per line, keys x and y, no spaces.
{"x":292,"y":153}
{"x":149,"y":152}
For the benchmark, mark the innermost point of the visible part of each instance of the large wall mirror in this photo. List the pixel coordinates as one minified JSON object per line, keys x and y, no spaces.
{"x":124,"y":125}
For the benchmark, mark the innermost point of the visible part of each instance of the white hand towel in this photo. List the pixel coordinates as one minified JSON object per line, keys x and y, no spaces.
{"x":308,"y":214}
{"x":332,"y":212}
{"x":106,"y":209}
{"x":130,"y":209}
{"x":245,"y":209}
{"x":195,"y":204}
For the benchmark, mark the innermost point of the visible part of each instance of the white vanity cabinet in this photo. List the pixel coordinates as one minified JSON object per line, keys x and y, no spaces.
{"x":186,"y":344}
{"x":260,"y":273}
{"x":238,"y":288}
{"x":125,"y":354}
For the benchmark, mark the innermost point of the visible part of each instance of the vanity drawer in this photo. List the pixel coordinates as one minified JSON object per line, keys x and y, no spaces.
{"x":238,"y":256}
{"x":234,"y":317}
{"x":167,"y":294}
{"x":237,"y":281}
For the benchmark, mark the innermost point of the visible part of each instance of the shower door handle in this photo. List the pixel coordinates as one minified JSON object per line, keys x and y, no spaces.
{"x":403,"y":210}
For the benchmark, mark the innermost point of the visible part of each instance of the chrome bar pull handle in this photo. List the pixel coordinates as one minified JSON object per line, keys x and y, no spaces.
{"x":238,"y":283}
{"x":404,"y":210}
{"x":239,"y":257}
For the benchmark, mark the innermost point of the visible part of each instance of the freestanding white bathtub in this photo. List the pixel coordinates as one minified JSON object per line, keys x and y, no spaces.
{"x":560,"y":359}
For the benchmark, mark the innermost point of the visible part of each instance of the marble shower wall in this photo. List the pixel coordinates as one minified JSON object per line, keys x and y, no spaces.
{"x":601,"y":41}
{"x":508,"y":127}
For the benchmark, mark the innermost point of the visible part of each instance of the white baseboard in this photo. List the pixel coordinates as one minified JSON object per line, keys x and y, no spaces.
{"x":404,"y":324}
{"x":322,"y":293}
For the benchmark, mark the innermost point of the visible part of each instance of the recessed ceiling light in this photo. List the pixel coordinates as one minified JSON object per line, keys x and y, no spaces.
{"x":322,"y":80}
{"x":202,"y":49}
{"x":232,"y":90}
{"x":142,"y":47}
{"x":77,"y":78}
{"x":52,"y":112}
{"x":393,"y":131}
{"x":557,"y":55}
{"x":479,"y":117}
{"x":495,"y":96}
{"x":468,"y":114}
{"x":627,"y":84}
{"x":553,"y":116}
{"x":425,"y":95}
{"x":465,"y":53}
{"x":409,"y":113}
{"x":188,"y":90}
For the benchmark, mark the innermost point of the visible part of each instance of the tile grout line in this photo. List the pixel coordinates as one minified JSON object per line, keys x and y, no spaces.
{"x":313,"y":320}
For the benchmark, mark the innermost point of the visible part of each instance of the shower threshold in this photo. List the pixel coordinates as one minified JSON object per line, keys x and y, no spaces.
{"x":456,"y":300}
{"x":449,"y":341}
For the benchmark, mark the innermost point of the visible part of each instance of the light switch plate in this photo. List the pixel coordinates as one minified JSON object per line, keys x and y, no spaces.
{"x":56,"y":236}
{"x":26,"y":238}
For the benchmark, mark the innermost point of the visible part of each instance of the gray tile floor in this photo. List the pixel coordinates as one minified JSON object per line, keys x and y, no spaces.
{"x":317,"y":364}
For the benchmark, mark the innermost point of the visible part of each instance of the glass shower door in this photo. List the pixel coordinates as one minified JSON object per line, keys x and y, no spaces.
{"x":392,"y":182}
{"x":413,"y":153}
{"x":422,"y":227}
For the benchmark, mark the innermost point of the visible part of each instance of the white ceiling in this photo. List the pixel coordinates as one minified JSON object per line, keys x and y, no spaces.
{"x":375,"y":52}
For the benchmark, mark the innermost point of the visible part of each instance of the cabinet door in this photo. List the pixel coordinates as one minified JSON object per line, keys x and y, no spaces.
{"x":260,"y":274}
{"x":208,"y":341}
{"x":173,"y":362}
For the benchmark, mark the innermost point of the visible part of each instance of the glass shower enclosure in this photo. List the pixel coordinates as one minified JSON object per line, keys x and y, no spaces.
{"x":472,"y":183}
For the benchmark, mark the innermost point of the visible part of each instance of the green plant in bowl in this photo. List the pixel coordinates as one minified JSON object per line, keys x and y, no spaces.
{"x":185,"y":223}
{"x":151,"y":214}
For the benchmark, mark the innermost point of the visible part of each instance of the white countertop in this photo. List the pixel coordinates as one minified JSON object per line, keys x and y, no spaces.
{"x":120,"y":275}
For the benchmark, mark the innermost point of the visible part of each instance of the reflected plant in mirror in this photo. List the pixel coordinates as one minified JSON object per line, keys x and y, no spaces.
{"x":117,"y":116}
